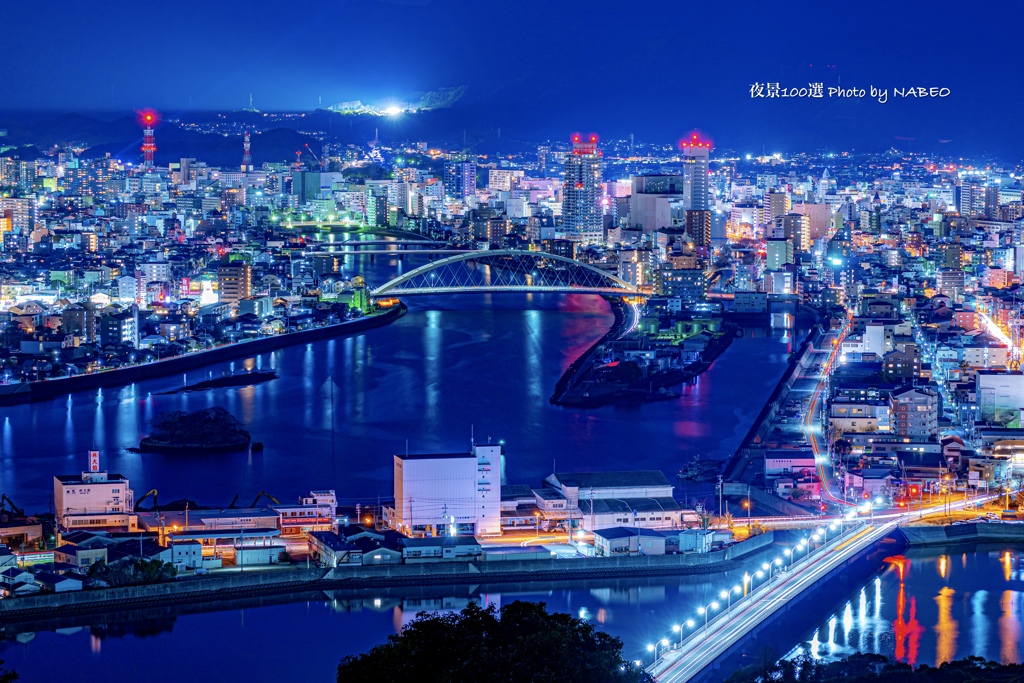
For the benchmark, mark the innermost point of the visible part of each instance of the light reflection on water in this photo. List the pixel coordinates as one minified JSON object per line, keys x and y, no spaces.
{"x":919,"y":611}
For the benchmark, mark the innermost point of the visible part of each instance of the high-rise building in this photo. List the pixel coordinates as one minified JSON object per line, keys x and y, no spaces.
{"x":459,"y":179}
{"x":582,"y":217}
{"x":797,"y":229}
{"x":698,"y":226}
{"x":778,"y":204}
{"x":22,"y":213}
{"x":234,"y":282}
{"x":652,"y":199}
{"x":971,"y":197}
{"x":779,"y":252}
{"x":696,"y":154}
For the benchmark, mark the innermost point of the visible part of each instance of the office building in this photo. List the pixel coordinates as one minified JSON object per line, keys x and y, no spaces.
{"x":582,"y":218}
{"x":93,"y":500}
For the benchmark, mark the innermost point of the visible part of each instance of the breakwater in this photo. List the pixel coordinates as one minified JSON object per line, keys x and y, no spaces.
{"x":47,"y":389}
{"x":235,"y":585}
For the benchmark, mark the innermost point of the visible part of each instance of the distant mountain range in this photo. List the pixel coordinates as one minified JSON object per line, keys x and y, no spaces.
{"x":35,"y":133}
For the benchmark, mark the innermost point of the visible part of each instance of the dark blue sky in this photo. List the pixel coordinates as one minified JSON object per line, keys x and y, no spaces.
{"x":546,"y":67}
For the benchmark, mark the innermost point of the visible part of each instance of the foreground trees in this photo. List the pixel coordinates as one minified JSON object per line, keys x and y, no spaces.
{"x":523,"y":643}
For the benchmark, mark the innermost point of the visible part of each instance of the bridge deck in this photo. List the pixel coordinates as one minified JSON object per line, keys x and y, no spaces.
{"x":707,"y":644}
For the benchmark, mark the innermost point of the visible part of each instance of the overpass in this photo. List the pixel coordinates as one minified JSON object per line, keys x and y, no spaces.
{"x":506,"y":270}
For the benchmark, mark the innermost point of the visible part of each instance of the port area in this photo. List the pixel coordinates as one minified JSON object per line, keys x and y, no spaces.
{"x":493,"y":568}
{"x":27,"y":392}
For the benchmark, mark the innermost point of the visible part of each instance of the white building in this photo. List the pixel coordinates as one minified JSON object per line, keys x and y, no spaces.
{"x":448,"y":494}
{"x":93,"y":500}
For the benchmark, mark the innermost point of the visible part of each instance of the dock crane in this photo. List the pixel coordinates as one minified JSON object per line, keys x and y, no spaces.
{"x":264,"y":494}
{"x":147,"y":494}
{"x":10,"y":503}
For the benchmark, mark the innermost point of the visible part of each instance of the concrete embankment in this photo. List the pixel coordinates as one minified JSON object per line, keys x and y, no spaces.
{"x":974,"y":532}
{"x":230,"y":586}
{"x":579,"y":367}
{"x":749,"y":447}
{"x":136,"y":373}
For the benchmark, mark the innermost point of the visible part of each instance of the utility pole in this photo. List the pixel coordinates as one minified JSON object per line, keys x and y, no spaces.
{"x":720,"y":495}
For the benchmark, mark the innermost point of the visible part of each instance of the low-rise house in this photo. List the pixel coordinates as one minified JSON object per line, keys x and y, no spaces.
{"x":57,"y":583}
{"x":80,"y":556}
{"x":440,"y":549}
{"x":332,"y":550}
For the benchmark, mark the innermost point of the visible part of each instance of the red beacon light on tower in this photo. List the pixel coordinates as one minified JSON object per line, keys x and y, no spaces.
{"x":694,"y":141}
{"x":148,"y":119}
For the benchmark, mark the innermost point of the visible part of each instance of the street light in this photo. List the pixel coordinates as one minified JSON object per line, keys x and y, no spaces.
{"x":706,"y":610}
{"x":654,"y":648}
{"x":727,"y":595}
{"x":679,"y":628}
{"x":536,"y":523}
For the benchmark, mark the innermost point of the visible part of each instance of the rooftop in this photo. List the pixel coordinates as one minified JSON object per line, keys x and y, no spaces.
{"x":635,"y":478}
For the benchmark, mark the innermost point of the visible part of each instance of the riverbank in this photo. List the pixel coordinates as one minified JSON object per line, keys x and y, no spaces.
{"x":577,"y":369}
{"x":969,"y":532}
{"x":229,"y":586}
{"x":15,"y":394}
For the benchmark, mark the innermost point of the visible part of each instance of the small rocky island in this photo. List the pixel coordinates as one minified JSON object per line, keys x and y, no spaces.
{"x":210,"y":430}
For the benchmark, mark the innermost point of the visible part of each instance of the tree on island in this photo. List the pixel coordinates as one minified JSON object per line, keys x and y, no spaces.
{"x":873,"y":668}
{"x":522,"y":643}
{"x":207,"y":427}
{"x":7,"y":675}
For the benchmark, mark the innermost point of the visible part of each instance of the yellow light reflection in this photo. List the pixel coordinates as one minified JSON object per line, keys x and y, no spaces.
{"x":1009,"y":628}
{"x":946,"y":628}
{"x":943,"y":565}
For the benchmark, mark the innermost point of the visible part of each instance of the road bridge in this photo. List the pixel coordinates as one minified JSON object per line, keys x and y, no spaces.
{"x":506,"y":270}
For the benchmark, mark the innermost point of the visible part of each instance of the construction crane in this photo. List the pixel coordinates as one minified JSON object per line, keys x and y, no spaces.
{"x":10,"y":503}
{"x":264,"y":494}
{"x":318,"y":159}
{"x":147,"y":494}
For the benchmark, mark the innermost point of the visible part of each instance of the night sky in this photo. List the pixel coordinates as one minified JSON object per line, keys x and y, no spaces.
{"x":541,"y":68}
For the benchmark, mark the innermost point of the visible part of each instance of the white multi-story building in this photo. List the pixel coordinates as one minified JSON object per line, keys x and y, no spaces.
{"x":93,"y":500}
{"x":448,"y":494}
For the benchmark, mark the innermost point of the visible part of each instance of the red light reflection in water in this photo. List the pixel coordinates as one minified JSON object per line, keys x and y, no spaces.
{"x":906,"y":628}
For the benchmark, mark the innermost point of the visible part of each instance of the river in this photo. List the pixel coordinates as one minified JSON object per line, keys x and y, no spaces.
{"x":451,"y":367}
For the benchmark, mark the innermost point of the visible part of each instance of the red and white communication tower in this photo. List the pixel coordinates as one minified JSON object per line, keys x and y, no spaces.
{"x":246,"y":156}
{"x":148,"y":120}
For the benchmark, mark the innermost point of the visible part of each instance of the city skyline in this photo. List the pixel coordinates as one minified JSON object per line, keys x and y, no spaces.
{"x":387,"y":54}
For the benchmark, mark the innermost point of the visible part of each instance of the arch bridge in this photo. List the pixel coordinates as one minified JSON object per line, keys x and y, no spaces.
{"x":506,"y":270}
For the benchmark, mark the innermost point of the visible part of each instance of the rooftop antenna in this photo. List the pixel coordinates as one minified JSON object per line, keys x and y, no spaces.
{"x":472,"y":439}
{"x":407,"y":448}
